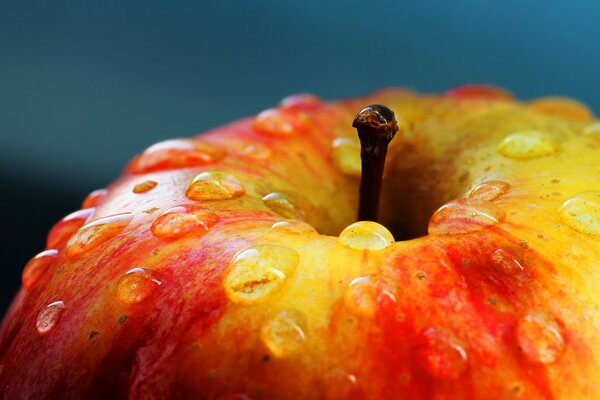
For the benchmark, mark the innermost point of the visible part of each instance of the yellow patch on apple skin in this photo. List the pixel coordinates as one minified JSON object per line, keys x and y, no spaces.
{"x":582,"y":212}
{"x":346,"y":156}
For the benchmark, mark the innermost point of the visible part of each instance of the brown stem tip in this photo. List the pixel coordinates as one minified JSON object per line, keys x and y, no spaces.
{"x":376,"y":127}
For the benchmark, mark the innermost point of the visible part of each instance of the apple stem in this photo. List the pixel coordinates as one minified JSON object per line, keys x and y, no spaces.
{"x":376,"y":127}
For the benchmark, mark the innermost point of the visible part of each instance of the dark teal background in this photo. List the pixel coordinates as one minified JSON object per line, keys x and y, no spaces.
{"x":86,"y":85}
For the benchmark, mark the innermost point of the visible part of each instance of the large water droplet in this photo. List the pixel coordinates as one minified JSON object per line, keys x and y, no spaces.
{"x":284,"y":204}
{"x":540,"y":339}
{"x":366,"y":235}
{"x":176,"y":153}
{"x":257,"y":272}
{"x":48,"y":317}
{"x":294,"y":226}
{"x":94,"y":198}
{"x":441,"y":355}
{"x":582,"y":212}
{"x":464,"y":216}
{"x":137,"y":285}
{"x":285,"y":335}
{"x":505,"y":262}
{"x":281,"y":122}
{"x":36,"y":267}
{"x":346,"y":156}
{"x":96,"y":233}
{"x":474,"y":91}
{"x":526,"y":145}
{"x":489,"y":190}
{"x":214,"y":185}
{"x":562,"y":107}
{"x":179,"y":221}
{"x":302,"y":102}
{"x":367,"y":294}
{"x":144,"y":187}
{"x":63,"y":230}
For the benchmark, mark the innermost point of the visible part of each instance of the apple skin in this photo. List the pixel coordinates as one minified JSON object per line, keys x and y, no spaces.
{"x":500,"y":299}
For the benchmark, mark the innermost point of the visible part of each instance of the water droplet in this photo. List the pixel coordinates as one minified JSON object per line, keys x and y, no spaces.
{"x":302,"y":102}
{"x":257,"y":272}
{"x":464,"y":216}
{"x":49,"y":317}
{"x":176,"y":153}
{"x":36,"y":267}
{"x":505,"y":262}
{"x":440,"y":355}
{"x":294,"y":226}
{"x":561,"y":107}
{"x":540,"y":339}
{"x":256,"y":151}
{"x":582,"y":212}
{"x":94,"y":198}
{"x":592,"y":130}
{"x":284,"y":205}
{"x":179,"y":221}
{"x":65,"y":228}
{"x":281,"y":122}
{"x":479,"y":92}
{"x":366,"y":235}
{"x":285,"y":335}
{"x":144,"y":187}
{"x":137,"y":285}
{"x":214,"y":185}
{"x":489,"y":190}
{"x":97,"y":232}
{"x":346,"y":156}
{"x":527,"y":144}
{"x":339,"y":385}
{"x":367,"y":294}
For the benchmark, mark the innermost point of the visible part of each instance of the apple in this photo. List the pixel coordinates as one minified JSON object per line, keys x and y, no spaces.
{"x":233,"y":265}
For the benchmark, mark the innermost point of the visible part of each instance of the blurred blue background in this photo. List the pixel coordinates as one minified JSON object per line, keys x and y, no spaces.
{"x":86,"y":85}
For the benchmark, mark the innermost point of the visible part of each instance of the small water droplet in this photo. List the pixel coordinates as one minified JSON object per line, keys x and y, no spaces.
{"x":302,"y":102}
{"x":346,"y":156}
{"x":540,"y":339}
{"x":97,"y":232}
{"x":285,"y":335}
{"x":48,"y":317}
{"x":339,"y":385}
{"x":527,"y":145}
{"x":294,"y":226}
{"x":562,"y":107}
{"x":505,"y":262}
{"x":94,"y":198}
{"x":180,"y":221}
{"x":366,"y":235}
{"x":284,"y":205}
{"x":281,"y":122}
{"x":176,"y":153}
{"x":367,"y":294}
{"x":441,"y":355}
{"x":582,"y":212}
{"x":214,"y":185}
{"x":36,"y":267}
{"x":474,"y":91}
{"x":256,"y":151}
{"x":592,"y":130}
{"x":60,"y":233}
{"x":257,"y":272}
{"x":489,"y":190}
{"x":137,"y":285}
{"x":464,"y":216}
{"x":144,"y":187}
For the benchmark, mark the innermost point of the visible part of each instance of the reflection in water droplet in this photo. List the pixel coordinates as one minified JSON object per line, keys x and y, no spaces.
{"x":441,"y":355}
{"x":176,"y":153}
{"x":49,"y":317}
{"x":294,"y":226}
{"x":281,"y":122}
{"x":96,"y":233}
{"x":183,"y":220}
{"x":505,"y":262}
{"x":36,"y":267}
{"x":526,"y":145}
{"x":582,"y":212}
{"x":367,"y":294}
{"x":144,"y":187}
{"x":137,"y":285}
{"x":94,"y":198}
{"x":214,"y":185}
{"x":346,"y":156}
{"x":562,"y":107}
{"x":61,"y":232}
{"x":489,"y":190}
{"x":285,"y":335}
{"x":257,"y":272}
{"x":366,"y":235}
{"x":464,"y":216}
{"x":540,"y":339}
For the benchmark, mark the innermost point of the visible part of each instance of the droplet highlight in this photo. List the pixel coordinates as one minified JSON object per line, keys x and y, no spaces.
{"x":49,"y":317}
{"x":137,"y":285}
{"x":183,"y":220}
{"x":214,"y":185}
{"x":60,"y":233}
{"x":257,"y":272}
{"x":284,"y":335}
{"x":366,"y":235}
{"x":441,"y":355}
{"x":464,"y":216}
{"x":294,"y":226}
{"x":539,"y":338}
{"x":366,"y":295}
{"x":346,"y":156}
{"x":281,"y":122}
{"x":489,"y":190}
{"x":96,"y":233}
{"x":37,"y":267}
{"x":582,"y":212}
{"x":505,"y":262}
{"x":144,"y":187}
{"x":527,"y":145}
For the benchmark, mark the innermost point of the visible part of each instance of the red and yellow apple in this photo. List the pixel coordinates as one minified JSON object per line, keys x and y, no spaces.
{"x":231,"y":266}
